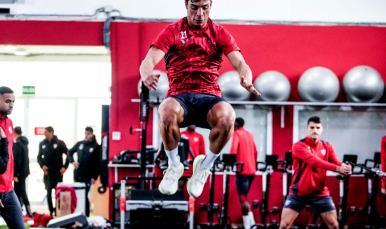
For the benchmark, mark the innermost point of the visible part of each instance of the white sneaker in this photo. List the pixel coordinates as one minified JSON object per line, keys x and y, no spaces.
{"x":169,"y":183}
{"x":197,"y":181}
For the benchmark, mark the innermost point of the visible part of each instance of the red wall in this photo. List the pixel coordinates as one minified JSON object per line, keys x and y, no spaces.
{"x":290,"y":49}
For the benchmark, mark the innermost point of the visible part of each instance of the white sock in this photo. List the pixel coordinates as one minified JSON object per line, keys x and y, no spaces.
{"x":173,"y":158}
{"x":247,"y":225}
{"x":209,"y":159}
{"x":251,"y":218}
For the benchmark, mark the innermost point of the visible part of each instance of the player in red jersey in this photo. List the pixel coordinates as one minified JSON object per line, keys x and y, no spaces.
{"x":383,"y":163}
{"x":312,"y":158}
{"x":243,"y":145}
{"x":193,"y":47}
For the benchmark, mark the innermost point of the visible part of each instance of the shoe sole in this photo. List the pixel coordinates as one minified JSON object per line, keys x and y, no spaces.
{"x":171,"y":193}
{"x":194,"y":169}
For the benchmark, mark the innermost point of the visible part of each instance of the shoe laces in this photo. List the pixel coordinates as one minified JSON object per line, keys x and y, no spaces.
{"x":202,"y":175}
{"x":170,"y":173}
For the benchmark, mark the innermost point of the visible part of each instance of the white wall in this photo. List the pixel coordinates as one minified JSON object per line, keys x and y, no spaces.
{"x":368,"y":11}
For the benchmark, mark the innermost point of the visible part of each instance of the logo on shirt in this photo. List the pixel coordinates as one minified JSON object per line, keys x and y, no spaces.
{"x":80,"y":146}
{"x":55,"y":146}
{"x":43,"y":146}
{"x":196,"y":139}
{"x":10,"y":129}
{"x":323,"y":151}
{"x":91,"y":150}
{"x":184,"y":37}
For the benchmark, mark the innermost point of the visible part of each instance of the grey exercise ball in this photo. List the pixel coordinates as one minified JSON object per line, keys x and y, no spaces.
{"x":273,"y":86}
{"x":231,"y":89}
{"x":163,"y":86}
{"x":318,"y":84}
{"x":363,"y":84}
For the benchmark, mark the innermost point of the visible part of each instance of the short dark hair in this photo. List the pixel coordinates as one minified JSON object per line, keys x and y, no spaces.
{"x":240,"y":121}
{"x":49,"y":129}
{"x":89,"y":129}
{"x":315,"y":119}
{"x":17,"y":130}
{"x":4,"y":90}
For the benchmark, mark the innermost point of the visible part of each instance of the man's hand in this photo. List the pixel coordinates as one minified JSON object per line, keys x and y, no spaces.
{"x":76,"y":164}
{"x":2,"y":134}
{"x":383,"y":191}
{"x":62,"y":170}
{"x":15,"y":179}
{"x":151,"y":81}
{"x":1,"y":204}
{"x":45,"y":170}
{"x":344,"y":169}
{"x":92,"y":181}
{"x":249,"y":86}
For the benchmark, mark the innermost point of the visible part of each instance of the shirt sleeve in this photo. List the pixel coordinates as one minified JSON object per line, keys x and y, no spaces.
{"x":383,"y":159}
{"x":227,"y":42}
{"x":70,"y":153}
{"x":300,"y":151}
{"x":235,"y":143}
{"x":165,"y":39}
{"x":333,"y":158}
{"x":4,"y":155}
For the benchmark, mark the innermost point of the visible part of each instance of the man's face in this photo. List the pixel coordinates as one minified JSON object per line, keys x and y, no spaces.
{"x":48,"y":134}
{"x":6,"y":103}
{"x":198,"y":12}
{"x":314,"y":131}
{"x":88,"y":136}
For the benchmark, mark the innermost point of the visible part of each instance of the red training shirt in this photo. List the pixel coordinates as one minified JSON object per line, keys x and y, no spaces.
{"x":193,"y":57}
{"x":243,"y":145}
{"x":383,"y":159}
{"x":311,"y":161}
{"x":7,"y":178}
{"x":196,"y":143}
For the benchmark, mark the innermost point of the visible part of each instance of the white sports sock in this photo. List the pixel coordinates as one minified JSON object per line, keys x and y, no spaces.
{"x":247,"y":225}
{"x":251,"y":218}
{"x":209,"y":159}
{"x":173,"y":158}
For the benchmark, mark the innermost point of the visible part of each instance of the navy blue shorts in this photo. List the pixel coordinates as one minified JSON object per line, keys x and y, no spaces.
{"x":196,"y":107}
{"x":243,"y":184}
{"x":320,"y":204}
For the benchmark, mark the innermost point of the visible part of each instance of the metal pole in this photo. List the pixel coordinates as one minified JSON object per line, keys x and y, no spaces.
{"x":122,"y":203}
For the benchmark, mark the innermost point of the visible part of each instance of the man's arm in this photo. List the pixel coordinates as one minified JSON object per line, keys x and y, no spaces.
{"x":383,"y":163}
{"x":333,"y":158}
{"x":64,"y":151}
{"x":235,"y":144}
{"x":153,"y":57}
{"x":40,"y":156}
{"x":71,"y":152}
{"x":4,"y":155}
{"x":301,"y":152}
{"x":245,"y":73}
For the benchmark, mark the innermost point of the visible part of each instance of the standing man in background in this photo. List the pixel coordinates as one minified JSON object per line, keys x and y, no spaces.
{"x":243,"y":145}
{"x":193,"y":48}
{"x":50,"y":159}
{"x":21,"y":171}
{"x":86,"y":163}
{"x":312,"y":157}
{"x":383,"y":163}
{"x":10,"y":208}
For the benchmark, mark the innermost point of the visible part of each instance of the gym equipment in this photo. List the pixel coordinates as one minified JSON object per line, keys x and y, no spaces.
{"x":363,"y":84}
{"x":318,"y":84}
{"x":270,"y":165}
{"x":343,"y":190}
{"x":373,"y":174}
{"x":149,"y":208}
{"x":70,"y":220}
{"x":104,"y":160}
{"x":231,"y":89}
{"x":230,"y":165}
{"x":273,"y":86}
{"x":162,"y":88}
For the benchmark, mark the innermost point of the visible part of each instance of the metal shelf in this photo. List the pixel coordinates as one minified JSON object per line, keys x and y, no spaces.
{"x":269,"y":103}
